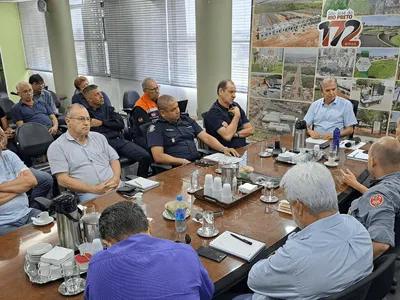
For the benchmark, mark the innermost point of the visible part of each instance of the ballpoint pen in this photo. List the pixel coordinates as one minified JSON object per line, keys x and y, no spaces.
{"x":241,"y":239}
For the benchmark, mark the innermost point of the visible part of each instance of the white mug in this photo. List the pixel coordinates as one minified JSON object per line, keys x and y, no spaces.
{"x":44,"y":269}
{"x":43,"y":216}
{"x":56,"y":272}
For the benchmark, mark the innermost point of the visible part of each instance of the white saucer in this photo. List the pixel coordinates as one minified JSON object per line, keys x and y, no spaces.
{"x":168,"y":217}
{"x":335,"y":164}
{"x":39,"y":249}
{"x":265,"y":154}
{"x":38,"y":222}
{"x":201,"y":233}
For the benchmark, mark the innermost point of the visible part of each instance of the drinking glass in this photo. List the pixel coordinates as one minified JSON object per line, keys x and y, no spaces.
{"x":208,"y":223}
{"x":332,"y":154}
{"x":221,"y":162}
{"x":72,"y":278}
{"x":194,"y":185}
{"x":270,"y":198}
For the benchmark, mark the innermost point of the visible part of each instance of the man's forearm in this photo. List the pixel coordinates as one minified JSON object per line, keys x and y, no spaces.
{"x":168,"y":159}
{"x":116,"y":167}
{"x":5,"y":197}
{"x":213,"y":142}
{"x":245,"y":132}
{"x":347,"y":131}
{"x":18,"y":185}
{"x":229,"y":131}
{"x":75,"y":185}
{"x":54,"y":121}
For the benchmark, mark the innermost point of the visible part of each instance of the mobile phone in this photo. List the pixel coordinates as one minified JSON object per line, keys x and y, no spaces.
{"x":211,"y":254}
{"x":324,"y":145}
{"x":127,"y":190}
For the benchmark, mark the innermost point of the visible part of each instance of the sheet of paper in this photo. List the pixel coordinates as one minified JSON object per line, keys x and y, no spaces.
{"x":315,"y":141}
{"x":222,"y":157}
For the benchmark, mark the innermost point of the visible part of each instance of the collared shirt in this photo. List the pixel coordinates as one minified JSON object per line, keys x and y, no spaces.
{"x":89,"y":163}
{"x":40,"y":113}
{"x":112,"y":121}
{"x":219,"y":114}
{"x":325,"y":118}
{"x":144,"y":111}
{"x":46,"y":97}
{"x":145,"y":267}
{"x":324,"y":258}
{"x":177,"y":138}
{"x":378,"y":208}
{"x":10,"y":168}
{"x":80,"y":99}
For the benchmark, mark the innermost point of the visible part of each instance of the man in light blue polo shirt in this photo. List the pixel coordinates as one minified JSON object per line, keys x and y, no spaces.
{"x":330,"y":112}
{"x":83,"y":161}
{"x":331,"y":252}
{"x":15,"y":180}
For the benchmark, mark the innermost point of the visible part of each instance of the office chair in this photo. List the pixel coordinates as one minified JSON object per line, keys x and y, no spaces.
{"x":355,"y":109}
{"x":129,"y":99}
{"x":183,"y":105}
{"x":33,"y":140}
{"x":374,"y":286}
{"x":6,"y":104}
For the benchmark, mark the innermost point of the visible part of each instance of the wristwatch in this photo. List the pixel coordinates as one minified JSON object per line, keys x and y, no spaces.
{"x":237,"y":134}
{"x":223,"y":149}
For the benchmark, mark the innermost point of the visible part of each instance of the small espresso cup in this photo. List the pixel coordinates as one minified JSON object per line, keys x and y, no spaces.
{"x":44,"y":269}
{"x":56,"y":272}
{"x":43,"y":216}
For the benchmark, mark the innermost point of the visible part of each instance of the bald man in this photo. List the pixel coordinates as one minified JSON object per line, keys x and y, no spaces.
{"x":29,"y":110}
{"x":379,"y":206}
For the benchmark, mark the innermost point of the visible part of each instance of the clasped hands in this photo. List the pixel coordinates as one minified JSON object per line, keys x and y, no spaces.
{"x":316,"y":135}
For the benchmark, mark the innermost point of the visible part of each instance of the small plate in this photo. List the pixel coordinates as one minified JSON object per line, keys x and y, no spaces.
{"x":201,"y":233}
{"x":270,"y":201}
{"x":42,"y":223}
{"x":265,"y":154}
{"x":168,"y":216}
{"x":39,"y":249}
{"x":63,"y":290}
{"x":335,"y":164}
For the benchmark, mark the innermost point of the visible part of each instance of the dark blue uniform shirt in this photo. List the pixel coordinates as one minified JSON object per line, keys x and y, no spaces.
{"x":219,"y":114}
{"x":177,"y":138}
{"x":39,"y":113}
{"x":112,"y":121}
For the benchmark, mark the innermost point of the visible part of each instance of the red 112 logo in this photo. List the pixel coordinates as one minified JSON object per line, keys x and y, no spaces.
{"x":340,"y":33}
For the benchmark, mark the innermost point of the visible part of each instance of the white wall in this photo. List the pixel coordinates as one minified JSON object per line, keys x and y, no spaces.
{"x":115,"y":89}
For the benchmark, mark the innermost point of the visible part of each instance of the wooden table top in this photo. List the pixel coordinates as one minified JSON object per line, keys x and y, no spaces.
{"x":248,"y":218}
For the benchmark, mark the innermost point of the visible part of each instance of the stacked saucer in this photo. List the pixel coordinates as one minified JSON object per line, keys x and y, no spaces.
{"x":35,"y":252}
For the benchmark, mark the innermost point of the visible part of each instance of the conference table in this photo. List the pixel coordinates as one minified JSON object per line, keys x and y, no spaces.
{"x":250,"y":218}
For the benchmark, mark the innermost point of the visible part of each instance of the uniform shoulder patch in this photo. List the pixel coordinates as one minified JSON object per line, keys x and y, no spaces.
{"x":152,"y":128}
{"x":376,"y":200}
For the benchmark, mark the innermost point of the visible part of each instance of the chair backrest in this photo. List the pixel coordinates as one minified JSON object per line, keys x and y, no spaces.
{"x":6,"y":104}
{"x":183,"y":105}
{"x":57,"y":101}
{"x":33,"y":140}
{"x":130,"y":98}
{"x":204,"y":116}
{"x":377,"y":283}
{"x":355,"y":106}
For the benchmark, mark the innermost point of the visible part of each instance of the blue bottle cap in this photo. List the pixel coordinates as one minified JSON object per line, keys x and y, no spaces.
{"x":179,"y":198}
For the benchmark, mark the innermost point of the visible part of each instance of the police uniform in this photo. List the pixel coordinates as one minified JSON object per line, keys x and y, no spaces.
{"x":177,"y":138}
{"x":378,"y":208}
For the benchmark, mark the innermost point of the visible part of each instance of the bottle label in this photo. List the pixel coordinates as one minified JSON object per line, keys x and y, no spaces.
{"x":180,"y":214}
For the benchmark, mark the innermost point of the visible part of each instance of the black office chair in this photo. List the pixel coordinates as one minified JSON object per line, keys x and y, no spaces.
{"x":183,"y":105}
{"x":374,"y":286}
{"x":355,"y":109}
{"x":33,"y":140}
{"x":6,"y":104}
{"x":129,"y":99}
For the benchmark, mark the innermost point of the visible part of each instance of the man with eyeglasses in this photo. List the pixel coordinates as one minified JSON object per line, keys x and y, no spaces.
{"x":39,"y":93}
{"x":83,"y":161}
{"x":145,"y":110}
{"x":226,"y":120}
{"x":30,"y":110}
{"x":109,"y":123}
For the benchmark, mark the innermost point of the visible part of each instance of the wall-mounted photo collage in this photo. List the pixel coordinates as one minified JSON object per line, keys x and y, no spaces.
{"x":288,"y":62}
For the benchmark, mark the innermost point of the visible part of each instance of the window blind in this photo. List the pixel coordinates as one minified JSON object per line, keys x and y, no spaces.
{"x":34,"y":36}
{"x":241,"y":20}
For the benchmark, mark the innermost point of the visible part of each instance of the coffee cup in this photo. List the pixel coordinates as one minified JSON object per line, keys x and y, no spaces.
{"x":44,"y":269}
{"x":56,"y":272}
{"x":43,"y":216}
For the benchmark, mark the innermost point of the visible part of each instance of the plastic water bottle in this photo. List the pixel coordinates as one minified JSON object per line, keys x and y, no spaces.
{"x":336,"y":138}
{"x":139,"y":201}
{"x":180,"y":214}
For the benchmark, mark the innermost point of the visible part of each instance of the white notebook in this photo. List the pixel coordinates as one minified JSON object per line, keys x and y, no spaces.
{"x":358,"y":155}
{"x":231,"y":245}
{"x":143,"y":183}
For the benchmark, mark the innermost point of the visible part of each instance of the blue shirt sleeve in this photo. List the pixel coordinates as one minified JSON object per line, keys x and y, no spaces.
{"x":243,"y":116}
{"x":16,"y":113}
{"x":309,"y":117}
{"x":207,"y":286}
{"x":155,"y":136}
{"x":214,"y":120}
{"x":107,"y":100}
{"x":349,"y":118}
{"x":49,"y":111}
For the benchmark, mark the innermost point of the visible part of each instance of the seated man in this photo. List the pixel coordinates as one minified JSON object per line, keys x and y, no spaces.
{"x":106,"y":121}
{"x":226,"y":120}
{"x":379,"y":206}
{"x":83,"y":161}
{"x":80,"y":83}
{"x":150,"y":268}
{"x":331,"y":252}
{"x":171,"y":138}
{"x":330,"y":112}
{"x":145,"y":110}
{"x":39,"y":93}
{"x":29,"y":110}
{"x":15,"y":181}
{"x":11,"y":143}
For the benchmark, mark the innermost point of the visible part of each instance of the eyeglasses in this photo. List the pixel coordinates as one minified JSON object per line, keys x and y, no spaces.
{"x":154,"y":89}
{"x":82,"y":119}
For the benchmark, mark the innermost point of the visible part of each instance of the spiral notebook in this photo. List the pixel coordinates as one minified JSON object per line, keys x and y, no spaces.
{"x":233,"y":246}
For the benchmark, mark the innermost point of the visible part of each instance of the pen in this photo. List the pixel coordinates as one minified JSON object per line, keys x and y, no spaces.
{"x":241,"y":239}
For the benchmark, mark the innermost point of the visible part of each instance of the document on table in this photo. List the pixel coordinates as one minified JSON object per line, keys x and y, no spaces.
{"x":143,"y":183}
{"x":231,"y":245}
{"x":355,"y":147}
{"x":358,"y":155}
{"x":222,"y":157}
{"x":315,"y":141}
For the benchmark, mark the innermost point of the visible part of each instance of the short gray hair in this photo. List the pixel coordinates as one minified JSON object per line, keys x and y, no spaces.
{"x":312,"y":184}
{"x":145,"y":81}
{"x":329,"y":79}
{"x":68,"y":112}
{"x":18,"y":86}
{"x":122,"y":220}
